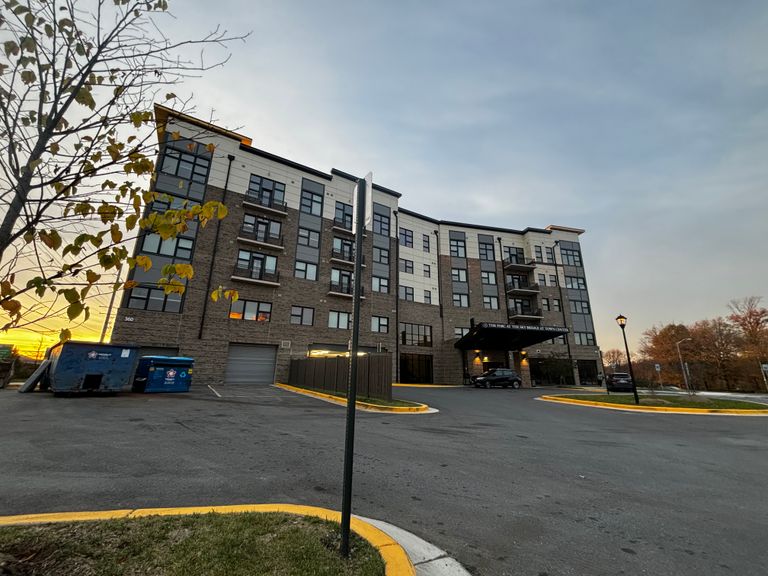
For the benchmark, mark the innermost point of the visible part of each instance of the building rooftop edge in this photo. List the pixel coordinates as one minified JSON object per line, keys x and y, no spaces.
{"x":163,"y":113}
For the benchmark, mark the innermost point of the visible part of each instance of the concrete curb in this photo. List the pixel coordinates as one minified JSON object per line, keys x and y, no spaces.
{"x":657,"y":409}
{"x":365,"y":406}
{"x":396,"y":560}
{"x":400,"y":385}
{"x":429,"y":560}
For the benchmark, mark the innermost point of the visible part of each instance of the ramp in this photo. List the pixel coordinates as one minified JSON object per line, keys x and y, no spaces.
{"x":37,"y":376}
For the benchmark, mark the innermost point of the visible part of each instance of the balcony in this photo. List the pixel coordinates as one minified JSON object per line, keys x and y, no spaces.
{"x":345,"y":256}
{"x":345,"y":289}
{"x":513,"y":263}
{"x":522,"y":290}
{"x":523,"y":314}
{"x":252,"y":235}
{"x":265,"y":204}
{"x":256,"y":276}
{"x":343,"y":225}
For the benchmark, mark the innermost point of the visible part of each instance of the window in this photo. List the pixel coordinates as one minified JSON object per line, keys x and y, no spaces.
{"x":553,"y":279}
{"x":303,"y":316}
{"x":311,"y":198}
{"x":556,"y":304}
{"x":486,"y":251}
{"x":460,"y":332}
{"x":265,"y":191}
{"x":343,"y":249}
{"x":558,"y":340}
{"x":550,"y":252}
{"x":250,"y":310}
{"x":406,"y":266}
{"x":458,"y":274}
{"x":406,"y":237}
{"x":458,"y":248}
{"x":305,"y":270}
{"x":178,"y":161}
{"x":405,"y":293}
{"x":461,"y":300}
{"x":343,"y":215}
{"x":584,"y":338}
{"x":380,"y":324}
{"x":262,"y":229}
{"x":141,"y":298}
{"x":174,"y":247}
{"x":488,"y":278}
{"x":543,"y":279}
{"x":514,"y":255}
{"x":255,"y":264}
{"x":570,"y":257}
{"x":341,"y":281}
{"x":340,"y":320}
{"x":427,"y":297}
{"x":517,"y":281}
{"x":575,"y":282}
{"x":537,"y":252}
{"x":425,"y":242}
{"x":520,"y":305}
{"x":309,"y":238}
{"x":415,"y":334}
{"x":381,"y":224}
{"x":491,"y":302}
{"x":380,"y":255}
{"x":427,"y":271}
{"x":545,"y":304}
{"x":579,"y":307}
{"x":380,"y":284}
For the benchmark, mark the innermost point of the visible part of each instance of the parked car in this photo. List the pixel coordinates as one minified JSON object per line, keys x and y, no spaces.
{"x":503,"y":377}
{"x":618,"y":382}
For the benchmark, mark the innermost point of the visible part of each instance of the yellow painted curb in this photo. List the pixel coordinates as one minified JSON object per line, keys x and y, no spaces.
{"x":651,"y":409}
{"x":399,"y":385}
{"x":396,"y":561}
{"x":362,"y":405}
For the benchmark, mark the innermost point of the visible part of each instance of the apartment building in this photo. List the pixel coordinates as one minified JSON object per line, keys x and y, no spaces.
{"x":445,"y":299}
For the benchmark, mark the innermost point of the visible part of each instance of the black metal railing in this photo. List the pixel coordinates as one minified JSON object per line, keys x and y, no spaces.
{"x":513,"y":312}
{"x":252,"y":233}
{"x":345,"y":223}
{"x":511,"y":287}
{"x":256,"y":274}
{"x":265,"y":201}
{"x":345,"y":288}
{"x":517,"y":261}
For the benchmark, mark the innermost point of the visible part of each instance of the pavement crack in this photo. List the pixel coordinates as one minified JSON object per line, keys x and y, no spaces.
{"x":428,"y":560}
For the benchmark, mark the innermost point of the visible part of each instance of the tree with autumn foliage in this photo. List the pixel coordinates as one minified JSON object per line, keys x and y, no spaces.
{"x":751,"y":320}
{"x":78,"y":139}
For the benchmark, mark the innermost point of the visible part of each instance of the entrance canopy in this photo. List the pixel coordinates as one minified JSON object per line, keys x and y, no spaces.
{"x":489,"y":336}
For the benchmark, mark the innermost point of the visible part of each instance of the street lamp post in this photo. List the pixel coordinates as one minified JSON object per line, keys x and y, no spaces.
{"x":622,"y":322}
{"x":682,"y":364}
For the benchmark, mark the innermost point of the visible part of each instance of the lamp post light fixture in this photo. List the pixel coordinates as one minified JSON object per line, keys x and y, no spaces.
{"x":682,"y":365}
{"x":622,"y":322}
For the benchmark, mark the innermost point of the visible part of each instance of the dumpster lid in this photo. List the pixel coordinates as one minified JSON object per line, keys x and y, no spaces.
{"x":169,"y":358}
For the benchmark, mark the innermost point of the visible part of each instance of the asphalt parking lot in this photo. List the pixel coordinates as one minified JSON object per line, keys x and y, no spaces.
{"x":505,"y":483}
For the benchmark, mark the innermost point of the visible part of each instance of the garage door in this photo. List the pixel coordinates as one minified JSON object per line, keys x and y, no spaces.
{"x":248,"y":364}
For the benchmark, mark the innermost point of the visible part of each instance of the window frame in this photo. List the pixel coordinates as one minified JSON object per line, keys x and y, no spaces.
{"x":405,"y":237}
{"x":463,"y":300}
{"x":307,"y":265}
{"x":299,"y":312}
{"x":457,"y":247}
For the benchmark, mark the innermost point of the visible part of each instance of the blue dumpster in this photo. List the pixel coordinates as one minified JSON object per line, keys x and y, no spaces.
{"x":89,"y":367}
{"x":163,"y":374}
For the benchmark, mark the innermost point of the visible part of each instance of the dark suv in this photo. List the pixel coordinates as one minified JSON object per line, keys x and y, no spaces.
{"x":619,"y":382}
{"x":498,"y":377}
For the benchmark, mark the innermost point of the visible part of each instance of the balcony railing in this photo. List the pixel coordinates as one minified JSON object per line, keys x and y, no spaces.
{"x":346,"y":288}
{"x":520,"y":263}
{"x":525,"y":313}
{"x":259,"y":274}
{"x":266,"y":202}
{"x":263,"y":236}
{"x":346,"y":255}
{"x":344,"y":224}
{"x":522,"y":288}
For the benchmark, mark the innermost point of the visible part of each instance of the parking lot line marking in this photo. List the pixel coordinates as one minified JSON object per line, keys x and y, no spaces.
{"x":214,"y":391}
{"x":396,"y":561}
{"x":657,"y":409}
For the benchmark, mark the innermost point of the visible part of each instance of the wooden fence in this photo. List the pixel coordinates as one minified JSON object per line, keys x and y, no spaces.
{"x":374,"y":375}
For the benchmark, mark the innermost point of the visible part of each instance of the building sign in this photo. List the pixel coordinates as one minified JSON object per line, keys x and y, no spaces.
{"x":524,"y":327}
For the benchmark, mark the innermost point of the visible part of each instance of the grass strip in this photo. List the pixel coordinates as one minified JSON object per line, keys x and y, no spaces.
{"x":366,"y":399}
{"x":671,"y":401}
{"x":205,"y":545}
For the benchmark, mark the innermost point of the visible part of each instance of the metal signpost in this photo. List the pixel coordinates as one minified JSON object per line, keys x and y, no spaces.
{"x":658,"y":371}
{"x":361,"y":214}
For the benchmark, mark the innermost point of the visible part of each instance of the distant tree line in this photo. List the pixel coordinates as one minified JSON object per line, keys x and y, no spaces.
{"x":724,"y":353}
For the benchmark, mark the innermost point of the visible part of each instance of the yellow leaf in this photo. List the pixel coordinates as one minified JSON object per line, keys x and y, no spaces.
{"x":211,"y":147}
{"x":91,"y":276}
{"x":144,"y":261}
{"x":130,"y":284}
{"x":215,"y":295}
{"x":65,"y":335}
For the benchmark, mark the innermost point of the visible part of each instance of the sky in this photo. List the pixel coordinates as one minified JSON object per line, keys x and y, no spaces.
{"x":644,"y":122}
